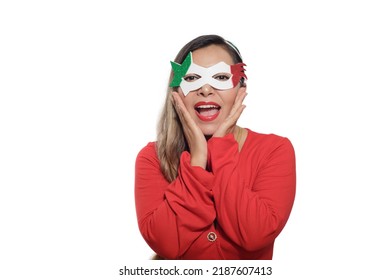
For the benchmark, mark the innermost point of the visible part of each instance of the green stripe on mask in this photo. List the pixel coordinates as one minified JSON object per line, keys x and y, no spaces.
{"x":180,"y":70}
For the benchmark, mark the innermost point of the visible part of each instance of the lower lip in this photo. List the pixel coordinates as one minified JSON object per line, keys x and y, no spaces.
{"x":207,"y":118}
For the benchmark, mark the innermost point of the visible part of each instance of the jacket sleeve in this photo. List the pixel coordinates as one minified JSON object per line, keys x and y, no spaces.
{"x":172,"y":215}
{"x":252,"y":214}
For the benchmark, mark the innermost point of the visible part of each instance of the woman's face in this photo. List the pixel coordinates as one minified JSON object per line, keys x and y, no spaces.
{"x":208,"y":106}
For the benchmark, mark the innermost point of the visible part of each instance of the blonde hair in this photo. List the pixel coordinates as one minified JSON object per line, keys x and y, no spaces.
{"x":171,"y":141}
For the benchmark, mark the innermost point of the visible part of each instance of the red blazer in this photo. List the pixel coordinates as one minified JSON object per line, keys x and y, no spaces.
{"x":234,"y":211}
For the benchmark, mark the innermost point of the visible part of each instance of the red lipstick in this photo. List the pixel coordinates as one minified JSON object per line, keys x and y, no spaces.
{"x":207,"y":111}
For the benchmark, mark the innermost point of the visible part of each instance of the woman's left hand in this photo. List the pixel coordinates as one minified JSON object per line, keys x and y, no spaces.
{"x":228,"y":125}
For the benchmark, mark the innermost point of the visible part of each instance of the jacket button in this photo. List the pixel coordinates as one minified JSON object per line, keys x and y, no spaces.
{"x":211,"y":236}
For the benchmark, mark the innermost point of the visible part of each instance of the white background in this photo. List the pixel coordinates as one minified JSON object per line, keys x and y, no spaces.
{"x":81,"y":87}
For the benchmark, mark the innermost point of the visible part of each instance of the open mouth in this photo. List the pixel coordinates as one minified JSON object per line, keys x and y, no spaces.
{"x":207,"y":111}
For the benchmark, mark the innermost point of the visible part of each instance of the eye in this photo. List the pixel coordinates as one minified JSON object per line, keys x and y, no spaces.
{"x":191,"y":77}
{"x":222,"y":76}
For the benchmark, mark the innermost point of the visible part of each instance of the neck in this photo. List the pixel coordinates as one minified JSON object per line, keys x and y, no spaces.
{"x":240,"y":136}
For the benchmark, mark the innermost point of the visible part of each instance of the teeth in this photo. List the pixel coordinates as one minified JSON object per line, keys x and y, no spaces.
{"x":207,"y":107}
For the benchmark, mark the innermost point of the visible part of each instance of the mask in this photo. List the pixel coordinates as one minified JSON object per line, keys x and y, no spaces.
{"x":190,"y":76}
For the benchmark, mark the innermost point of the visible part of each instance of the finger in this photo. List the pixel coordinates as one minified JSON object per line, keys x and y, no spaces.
{"x":178,"y":103}
{"x":240,"y":97}
{"x":237,"y":106}
{"x":184,"y":116}
{"x":175,"y":98}
{"x":181,"y":107}
{"x":236,"y":115}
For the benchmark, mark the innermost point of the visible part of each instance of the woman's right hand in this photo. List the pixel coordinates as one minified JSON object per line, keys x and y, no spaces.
{"x":193,"y":134}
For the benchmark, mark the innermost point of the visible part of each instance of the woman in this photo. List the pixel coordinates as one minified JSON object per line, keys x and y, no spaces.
{"x":207,"y":188}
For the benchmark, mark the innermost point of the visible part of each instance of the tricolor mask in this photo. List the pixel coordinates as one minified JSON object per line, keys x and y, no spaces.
{"x":190,"y":76}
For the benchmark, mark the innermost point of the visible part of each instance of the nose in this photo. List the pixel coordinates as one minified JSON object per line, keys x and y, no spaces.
{"x":206,"y":90}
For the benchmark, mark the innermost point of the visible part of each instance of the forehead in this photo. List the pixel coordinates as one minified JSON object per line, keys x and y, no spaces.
{"x":211,"y":55}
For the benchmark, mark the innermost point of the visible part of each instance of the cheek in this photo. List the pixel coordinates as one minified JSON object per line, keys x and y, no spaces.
{"x":228,"y":98}
{"x":188,"y":103}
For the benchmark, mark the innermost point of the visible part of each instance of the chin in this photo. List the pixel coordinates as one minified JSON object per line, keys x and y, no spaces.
{"x":208,"y":130}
